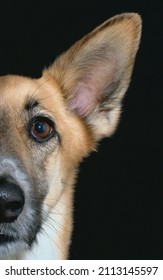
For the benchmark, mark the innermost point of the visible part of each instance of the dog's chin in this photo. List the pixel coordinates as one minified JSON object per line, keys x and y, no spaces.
{"x":15,"y":242}
{"x":12,"y":249}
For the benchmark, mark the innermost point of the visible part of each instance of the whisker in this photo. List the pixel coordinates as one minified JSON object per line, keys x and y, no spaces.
{"x":60,"y":225}
{"x":1,"y":228}
{"x":45,"y":81}
{"x":58,"y":202}
{"x":54,"y":221}
{"x":66,"y":184}
{"x":58,"y":213}
{"x":52,"y":226}
{"x":51,"y":240}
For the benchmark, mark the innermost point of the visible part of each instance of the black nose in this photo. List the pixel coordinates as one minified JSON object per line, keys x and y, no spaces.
{"x":11,"y":201}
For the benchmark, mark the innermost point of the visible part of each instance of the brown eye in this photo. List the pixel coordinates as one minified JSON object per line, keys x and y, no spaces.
{"x":41,"y":129}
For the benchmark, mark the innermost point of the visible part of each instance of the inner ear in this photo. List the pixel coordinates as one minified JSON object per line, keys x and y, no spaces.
{"x":87,"y":92}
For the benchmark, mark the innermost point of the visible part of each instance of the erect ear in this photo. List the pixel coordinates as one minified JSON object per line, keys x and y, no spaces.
{"x":95,"y":72}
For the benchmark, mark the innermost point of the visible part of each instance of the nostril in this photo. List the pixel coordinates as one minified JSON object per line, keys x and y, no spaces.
{"x":14,"y":205}
{"x":11,"y":201}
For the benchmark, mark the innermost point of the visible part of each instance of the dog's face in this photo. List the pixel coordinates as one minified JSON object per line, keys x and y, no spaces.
{"x":48,"y":125}
{"x":40,"y":146}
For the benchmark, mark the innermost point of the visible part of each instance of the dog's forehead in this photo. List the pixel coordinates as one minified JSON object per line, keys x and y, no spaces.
{"x":15,"y":89}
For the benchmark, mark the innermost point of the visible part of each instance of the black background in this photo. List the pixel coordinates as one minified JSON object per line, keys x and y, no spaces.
{"x":119,"y":198}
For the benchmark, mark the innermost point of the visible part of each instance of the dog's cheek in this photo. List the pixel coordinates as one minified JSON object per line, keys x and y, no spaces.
{"x":54,"y":174}
{"x":38,"y":168}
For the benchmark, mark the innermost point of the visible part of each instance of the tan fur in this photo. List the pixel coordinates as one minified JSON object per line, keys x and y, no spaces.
{"x":98,"y":67}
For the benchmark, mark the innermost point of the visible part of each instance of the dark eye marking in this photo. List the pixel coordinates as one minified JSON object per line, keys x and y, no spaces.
{"x":31,"y":104}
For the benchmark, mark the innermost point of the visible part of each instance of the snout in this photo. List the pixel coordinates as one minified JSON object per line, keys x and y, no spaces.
{"x":20,"y":209}
{"x":11,"y":201}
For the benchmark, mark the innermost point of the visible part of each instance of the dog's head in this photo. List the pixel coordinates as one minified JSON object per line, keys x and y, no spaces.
{"x":48,"y":125}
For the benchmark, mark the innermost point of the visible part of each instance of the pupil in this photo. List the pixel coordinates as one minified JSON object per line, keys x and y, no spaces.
{"x":40,"y":127}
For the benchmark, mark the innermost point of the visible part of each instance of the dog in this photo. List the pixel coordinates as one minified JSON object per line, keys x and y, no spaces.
{"x":48,"y":125}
